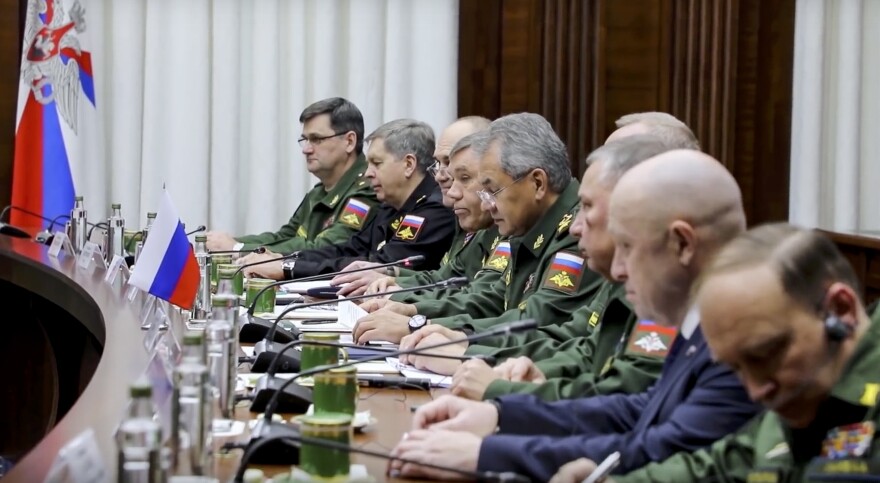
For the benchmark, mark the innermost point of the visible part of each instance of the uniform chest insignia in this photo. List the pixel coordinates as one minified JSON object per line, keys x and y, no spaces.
{"x":564,"y":273}
{"x":650,"y":339}
{"x":495,"y":243}
{"x":778,"y":450}
{"x":500,"y":258}
{"x":507,"y":278}
{"x":362,"y":183}
{"x":380,"y":245}
{"x":467,"y":238}
{"x":869,"y":397}
{"x":850,"y":441}
{"x":327,"y":223}
{"x":354,"y":214}
{"x":522,"y":305}
{"x":396,"y":223}
{"x":594,"y":319}
{"x":529,"y":283}
{"x":301,"y":232}
{"x":409,"y":227}
{"x":445,"y":260}
{"x":539,"y":241}
{"x":334,"y":200}
{"x":564,"y":223}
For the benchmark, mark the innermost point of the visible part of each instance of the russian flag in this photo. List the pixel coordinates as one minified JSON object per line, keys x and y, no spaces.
{"x":56,"y":81}
{"x":167,"y":266}
{"x":567,"y":262}
{"x":503,"y":249}
{"x":357,"y":207}
{"x":413,"y":221}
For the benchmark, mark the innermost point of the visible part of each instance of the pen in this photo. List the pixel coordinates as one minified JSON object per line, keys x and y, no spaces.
{"x":604,"y":469}
{"x":318,"y":321}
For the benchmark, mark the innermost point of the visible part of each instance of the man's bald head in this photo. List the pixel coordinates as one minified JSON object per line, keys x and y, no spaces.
{"x":668,"y":216}
{"x":453,"y":133}
{"x":673,"y":132}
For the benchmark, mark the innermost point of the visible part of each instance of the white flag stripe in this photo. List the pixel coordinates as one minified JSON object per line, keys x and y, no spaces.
{"x":156,"y":245}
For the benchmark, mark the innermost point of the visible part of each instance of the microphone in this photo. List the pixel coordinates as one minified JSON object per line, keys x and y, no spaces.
{"x":14,"y":231}
{"x":296,"y":398}
{"x":263,"y":432}
{"x":502,"y":329}
{"x":292,"y":437}
{"x":260,"y":249}
{"x":256,"y":328}
{"x":266,"y":344}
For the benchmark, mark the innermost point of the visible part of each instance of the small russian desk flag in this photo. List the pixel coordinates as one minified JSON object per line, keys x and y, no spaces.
{"x":167,"y":266}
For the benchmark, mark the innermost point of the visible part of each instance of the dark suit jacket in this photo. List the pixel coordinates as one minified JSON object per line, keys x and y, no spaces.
{"x":694,"y":403}
{"x":386,"y":239}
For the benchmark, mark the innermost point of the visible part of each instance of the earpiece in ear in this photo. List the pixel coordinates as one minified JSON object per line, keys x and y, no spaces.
{"x":835,"y":329}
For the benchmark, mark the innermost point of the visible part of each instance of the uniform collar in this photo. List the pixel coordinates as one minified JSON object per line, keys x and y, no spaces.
{"x":860,"y":381}
{"x":354,"y":175}
{"x":425,"y":189}
{"x":545,"y":230}
{"x":690,"y":323}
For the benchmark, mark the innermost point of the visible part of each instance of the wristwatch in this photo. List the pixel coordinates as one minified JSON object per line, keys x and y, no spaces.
{"x":287,"y":268}
{"x":416,"y":322}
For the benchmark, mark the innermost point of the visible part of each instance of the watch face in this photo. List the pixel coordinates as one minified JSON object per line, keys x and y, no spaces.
{"x":417,"y":321}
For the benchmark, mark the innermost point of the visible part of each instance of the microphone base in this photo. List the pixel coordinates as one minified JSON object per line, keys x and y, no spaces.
{"x":254,"y":329}
{"x":295,"y":399}
{"x":13,"y":231}
{"x":288,"y":362}
{"x":277,"y":452}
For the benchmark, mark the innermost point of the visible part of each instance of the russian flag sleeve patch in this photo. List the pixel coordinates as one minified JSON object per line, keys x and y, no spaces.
{"x":565,"y":272}
{"x":354,"y":214}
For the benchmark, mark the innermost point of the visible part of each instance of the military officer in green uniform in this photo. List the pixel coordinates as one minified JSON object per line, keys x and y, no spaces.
{"x":358,"y":282}
{"x":532,"y":197}
{"x":573,"y":359}
{"x":337,"y":207}
{"x":780,"y":305}
{"x":468,"y":253}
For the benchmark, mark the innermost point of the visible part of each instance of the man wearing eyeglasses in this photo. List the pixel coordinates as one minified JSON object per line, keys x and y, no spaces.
{"x":357,"y":283}
{"x":337,"y":207}
{"x":411,"y":220}
{"x":528,"y":189}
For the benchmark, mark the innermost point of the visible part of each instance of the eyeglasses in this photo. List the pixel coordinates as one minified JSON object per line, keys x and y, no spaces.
{"x":317,"y":140}
{"x":490,"y":198}
{"x":438,"y":169}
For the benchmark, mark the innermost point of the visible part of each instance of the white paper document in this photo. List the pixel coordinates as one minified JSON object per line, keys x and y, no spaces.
{"x":437,"y":380}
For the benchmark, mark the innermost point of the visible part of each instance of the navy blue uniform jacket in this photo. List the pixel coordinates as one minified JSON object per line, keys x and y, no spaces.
{"x":694,"y":403}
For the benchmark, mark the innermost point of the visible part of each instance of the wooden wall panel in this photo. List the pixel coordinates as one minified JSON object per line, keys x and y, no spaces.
{"x":722,"y":66}
{"x":11,"y":20}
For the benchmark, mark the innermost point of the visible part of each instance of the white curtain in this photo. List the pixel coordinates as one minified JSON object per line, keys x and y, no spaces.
{"x":204,"y":96}
{"x":835,"y":166}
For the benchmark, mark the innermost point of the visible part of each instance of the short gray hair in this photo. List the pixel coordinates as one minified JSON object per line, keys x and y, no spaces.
{"x":469,"y":141}
{"x":665,"y":126}
{"x":527,"y":141}
{"x":621,"y":155}
{"x":407,"y":136}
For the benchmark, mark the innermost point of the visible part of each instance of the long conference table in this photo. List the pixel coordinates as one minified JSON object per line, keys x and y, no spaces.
{"x":70,"y":358}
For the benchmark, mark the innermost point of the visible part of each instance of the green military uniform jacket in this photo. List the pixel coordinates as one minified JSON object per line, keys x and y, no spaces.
{"x":542,"y":277}
{"x":766,"y":450}
{"x":323,"y":218}
{"x":589,"y":355}
{"x":464,"y":259}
